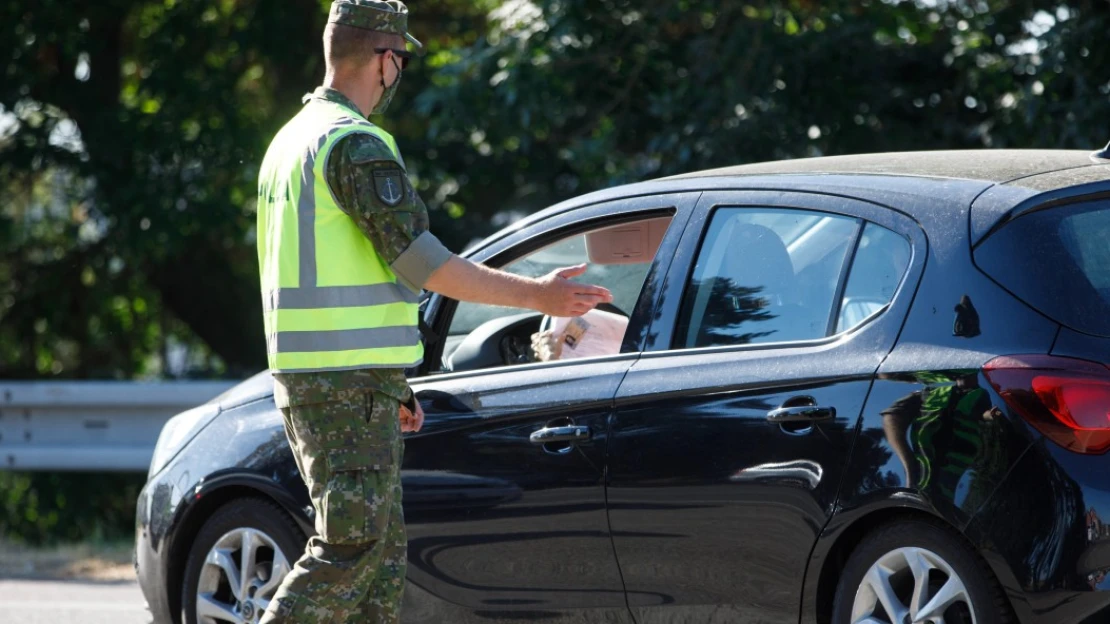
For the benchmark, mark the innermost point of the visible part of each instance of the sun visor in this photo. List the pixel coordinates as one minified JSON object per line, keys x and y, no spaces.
{"x":628,"y":243}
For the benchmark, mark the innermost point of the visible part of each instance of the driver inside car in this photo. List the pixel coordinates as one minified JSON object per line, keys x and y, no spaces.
{"x":627,"y":249}
{"x":595,"y":333}
{"x":617,"y":255}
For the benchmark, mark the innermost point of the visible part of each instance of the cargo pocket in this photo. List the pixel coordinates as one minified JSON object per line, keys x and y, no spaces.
{"x":383,"y":418}
{"x":358,"y":495}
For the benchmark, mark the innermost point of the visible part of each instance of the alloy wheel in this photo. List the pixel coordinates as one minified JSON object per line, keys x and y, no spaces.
{"x":912,"y":586}
{"x":241,"y":572}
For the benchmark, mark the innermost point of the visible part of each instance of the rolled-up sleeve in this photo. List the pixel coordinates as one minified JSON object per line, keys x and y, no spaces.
{"x":372,"y":188}
{"x":417,"y":262}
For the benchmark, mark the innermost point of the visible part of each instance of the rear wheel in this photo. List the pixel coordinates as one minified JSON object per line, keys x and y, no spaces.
{"x":237,"y":562}
{"x":914,"y":572}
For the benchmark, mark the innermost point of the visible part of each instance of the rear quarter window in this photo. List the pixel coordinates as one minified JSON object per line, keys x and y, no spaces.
{"x":1056,"y":260}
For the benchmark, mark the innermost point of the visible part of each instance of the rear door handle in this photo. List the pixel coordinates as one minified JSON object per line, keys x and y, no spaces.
{"x":801,"y":413}
{"x":569,"y":433}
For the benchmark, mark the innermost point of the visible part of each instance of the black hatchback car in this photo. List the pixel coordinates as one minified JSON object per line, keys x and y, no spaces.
{"x":867,"y":389}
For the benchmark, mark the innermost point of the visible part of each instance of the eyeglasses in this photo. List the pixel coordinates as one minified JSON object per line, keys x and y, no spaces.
{"x":404,"y":55}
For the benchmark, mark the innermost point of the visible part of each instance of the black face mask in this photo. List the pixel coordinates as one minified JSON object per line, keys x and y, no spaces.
{"x":387,"y":92}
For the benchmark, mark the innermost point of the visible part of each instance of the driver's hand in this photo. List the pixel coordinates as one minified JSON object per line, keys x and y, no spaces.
{"x":561,"y":297}
{"x":411,"y":423}
{"x":545,"y":346}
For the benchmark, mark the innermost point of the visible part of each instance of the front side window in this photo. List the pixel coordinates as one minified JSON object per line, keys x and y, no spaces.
{"x":765,"y":275}
{"x":617,"y":257}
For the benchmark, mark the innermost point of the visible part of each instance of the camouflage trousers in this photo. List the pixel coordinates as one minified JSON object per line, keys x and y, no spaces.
{"x":353,"y":570}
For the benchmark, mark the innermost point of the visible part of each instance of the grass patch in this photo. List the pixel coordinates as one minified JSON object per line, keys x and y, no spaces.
{"x":85,"y":561}
{"x":67,"y":525}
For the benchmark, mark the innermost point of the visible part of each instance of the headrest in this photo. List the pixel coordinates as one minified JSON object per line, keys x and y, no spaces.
{"x":756,"y":256}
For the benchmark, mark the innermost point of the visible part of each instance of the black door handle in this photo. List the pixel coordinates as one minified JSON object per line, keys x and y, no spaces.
{"x":801,"y":413}
{"x":569,"y":433}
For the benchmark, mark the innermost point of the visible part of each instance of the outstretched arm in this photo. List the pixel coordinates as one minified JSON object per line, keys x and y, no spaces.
{"x":554,"y":294}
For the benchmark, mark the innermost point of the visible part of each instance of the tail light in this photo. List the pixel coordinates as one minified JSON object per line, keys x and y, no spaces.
{"x":1067,"y":400}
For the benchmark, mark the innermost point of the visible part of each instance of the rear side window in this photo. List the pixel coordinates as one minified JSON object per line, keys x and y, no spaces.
{"x":765,"y":275}
{"x":1056,"y":260}
{"x":880,"y":263}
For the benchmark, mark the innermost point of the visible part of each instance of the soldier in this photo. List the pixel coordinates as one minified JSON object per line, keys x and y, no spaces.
{"x":344,"y":249}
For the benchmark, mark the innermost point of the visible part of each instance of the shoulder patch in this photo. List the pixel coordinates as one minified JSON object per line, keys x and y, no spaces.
{"x":363,"y":147}
{"x":389,"y":186}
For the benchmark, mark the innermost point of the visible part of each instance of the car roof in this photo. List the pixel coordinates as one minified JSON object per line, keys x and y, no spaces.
{"x":1000,"y":182}
{"x":1000,"y":166}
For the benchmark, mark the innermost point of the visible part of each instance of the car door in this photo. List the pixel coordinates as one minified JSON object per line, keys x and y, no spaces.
{"x":504,"y":494}
{"x":731,"y":431}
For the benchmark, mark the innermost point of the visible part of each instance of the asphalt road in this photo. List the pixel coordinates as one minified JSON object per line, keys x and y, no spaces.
{"x":72,"y":602}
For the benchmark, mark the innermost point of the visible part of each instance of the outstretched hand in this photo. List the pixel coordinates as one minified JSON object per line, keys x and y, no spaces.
{"x":559,"y":296}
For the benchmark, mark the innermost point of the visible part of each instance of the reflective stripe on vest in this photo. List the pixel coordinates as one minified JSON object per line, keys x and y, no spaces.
{"x":330,"y":301}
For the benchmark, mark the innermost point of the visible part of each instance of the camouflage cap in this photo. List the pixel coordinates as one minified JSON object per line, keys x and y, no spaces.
{"x":390,"y":16}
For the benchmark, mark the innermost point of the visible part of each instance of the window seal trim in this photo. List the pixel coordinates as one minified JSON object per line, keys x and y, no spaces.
{"x":528,"y":366}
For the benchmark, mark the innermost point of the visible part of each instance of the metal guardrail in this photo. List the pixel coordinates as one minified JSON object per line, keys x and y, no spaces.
{"x":94,"y":426}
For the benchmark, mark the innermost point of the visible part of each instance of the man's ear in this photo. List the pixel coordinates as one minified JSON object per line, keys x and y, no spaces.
{"x":385,"y":61}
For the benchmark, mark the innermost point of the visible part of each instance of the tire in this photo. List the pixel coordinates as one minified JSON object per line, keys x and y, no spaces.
{"x":251,"y":521}
{"x":929,"y":547}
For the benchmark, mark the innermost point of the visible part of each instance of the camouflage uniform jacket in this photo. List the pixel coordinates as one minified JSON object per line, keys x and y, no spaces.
{"x":399,"y":234}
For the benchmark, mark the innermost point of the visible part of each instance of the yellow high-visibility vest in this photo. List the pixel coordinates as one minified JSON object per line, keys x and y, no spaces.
{"x":330,"y":301}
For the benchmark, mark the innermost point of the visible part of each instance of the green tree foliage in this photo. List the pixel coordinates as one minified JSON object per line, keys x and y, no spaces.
{"x":47,"y":508}
{"x":131,"y":131}
{"x":572,"y":96}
